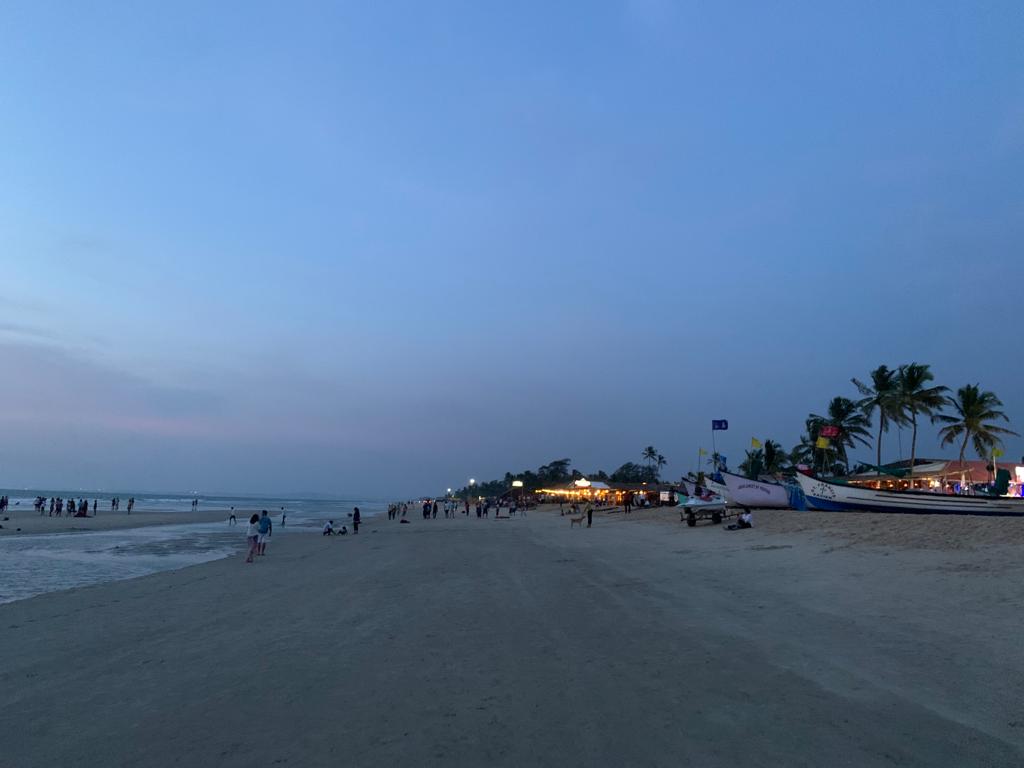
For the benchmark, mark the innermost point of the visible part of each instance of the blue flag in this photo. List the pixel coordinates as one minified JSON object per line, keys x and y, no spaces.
{"x":717,"y":424}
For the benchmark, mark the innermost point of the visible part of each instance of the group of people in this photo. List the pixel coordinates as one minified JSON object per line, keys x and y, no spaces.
{"x":357,"y":518}
{"x":453,"y":507}
{"x":115,"y":504}
{"x":59,"y":505}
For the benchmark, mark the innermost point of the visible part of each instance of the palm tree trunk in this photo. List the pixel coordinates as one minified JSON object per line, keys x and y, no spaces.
{"x":913,"y":448}
{"x":963,"y":447}
{"x":878,"y":455}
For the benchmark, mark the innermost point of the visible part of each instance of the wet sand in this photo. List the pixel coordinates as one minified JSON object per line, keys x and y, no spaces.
{"x":23,"y":521}
{"x":524,"y":642}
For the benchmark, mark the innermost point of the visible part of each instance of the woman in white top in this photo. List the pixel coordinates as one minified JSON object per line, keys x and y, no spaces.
{"x":253,"y":535}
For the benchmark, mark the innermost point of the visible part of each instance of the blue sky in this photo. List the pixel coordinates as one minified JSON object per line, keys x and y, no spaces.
{"x":345,"y":247}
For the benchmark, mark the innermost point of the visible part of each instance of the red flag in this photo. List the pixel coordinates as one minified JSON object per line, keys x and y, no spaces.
{"x":829,"y":430}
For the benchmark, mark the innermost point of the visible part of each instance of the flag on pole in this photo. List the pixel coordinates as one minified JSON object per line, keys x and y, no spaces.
{"x":823,"y":442}
{"x":996,"y":453}
{"x":755,"y":443}
{"x":719,"y":424}
{"x":829,"y":430}
{"x":701,"y":452}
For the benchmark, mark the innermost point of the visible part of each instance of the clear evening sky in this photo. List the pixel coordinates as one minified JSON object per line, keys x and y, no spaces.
{"x":381,"y":247}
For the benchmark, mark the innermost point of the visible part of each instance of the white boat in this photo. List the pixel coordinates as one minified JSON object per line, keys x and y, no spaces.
{"x":703,"y":505}
{"x":835,"y":497}
{"x":755,"y":493}
{"x":690,"y":486}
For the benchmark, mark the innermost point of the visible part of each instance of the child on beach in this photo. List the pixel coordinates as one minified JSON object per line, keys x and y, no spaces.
{"x":252,"y":534}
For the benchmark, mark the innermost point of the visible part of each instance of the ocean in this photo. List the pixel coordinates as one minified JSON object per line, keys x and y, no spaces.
{"x":33,"y":564}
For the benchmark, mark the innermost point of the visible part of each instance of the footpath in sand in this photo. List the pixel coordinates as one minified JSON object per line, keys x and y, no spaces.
{"x":519,"y":642}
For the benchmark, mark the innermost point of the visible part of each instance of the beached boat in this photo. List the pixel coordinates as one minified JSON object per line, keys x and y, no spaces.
{"x":718,"y":489}
{"x":835,"y":497}
{"x":755,"y":493}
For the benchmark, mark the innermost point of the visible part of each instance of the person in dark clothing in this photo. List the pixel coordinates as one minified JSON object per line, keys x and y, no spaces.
{"x":590,"y":514}
{"x":434,"y":509}
{"x":355,"y":520}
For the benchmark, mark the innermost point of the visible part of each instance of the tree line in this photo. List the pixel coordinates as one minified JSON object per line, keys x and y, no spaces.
{"x":904,"y":397}
{"x":560,"y":472}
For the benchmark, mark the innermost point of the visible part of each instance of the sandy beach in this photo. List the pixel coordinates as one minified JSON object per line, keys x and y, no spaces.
{"x":849,"y":640}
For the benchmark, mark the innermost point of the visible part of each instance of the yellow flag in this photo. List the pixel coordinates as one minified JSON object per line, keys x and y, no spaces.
{"x":702,"y":452}
{"x":755,"y":443}
{"x":996,"y":453}
{"x":823,"y":442}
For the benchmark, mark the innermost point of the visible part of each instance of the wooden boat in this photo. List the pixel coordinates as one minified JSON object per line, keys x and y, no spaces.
{"x":755,"y":493}
{"x":835,"y":497}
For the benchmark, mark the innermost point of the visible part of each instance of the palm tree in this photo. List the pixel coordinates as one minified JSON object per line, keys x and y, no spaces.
{"x":853,"y":425}
{"x":880,"y":396}
{"x":650,"y":455}
{"x":660,"y":461}
{"x":975,"y":411}
{"x":774,"y":457}
{"x":913,"y":397}
{"x":752,"y":465}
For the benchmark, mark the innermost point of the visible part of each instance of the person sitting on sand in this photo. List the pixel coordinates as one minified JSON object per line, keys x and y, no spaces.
{"x":745,"y":520}
{"x":329,"y":528}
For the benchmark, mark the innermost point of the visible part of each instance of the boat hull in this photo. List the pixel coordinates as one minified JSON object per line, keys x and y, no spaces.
{"x":709,"y":485}
{"x":833,"y":497}
{"x":755,"y":493}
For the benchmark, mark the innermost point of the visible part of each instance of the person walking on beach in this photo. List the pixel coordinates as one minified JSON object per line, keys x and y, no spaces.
{"x":590,"y":514}
{"x":356,"y":518}
{"x":265,"y":529}
{"x":252,"y":536}
{"x":434,"y":510}
{"x":284,"y":516}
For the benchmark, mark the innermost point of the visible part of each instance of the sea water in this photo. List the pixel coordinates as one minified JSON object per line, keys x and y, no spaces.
{"x":32,"y":564}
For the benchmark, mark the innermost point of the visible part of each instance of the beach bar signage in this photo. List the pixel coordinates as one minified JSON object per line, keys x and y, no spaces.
{"x":719,"y":424}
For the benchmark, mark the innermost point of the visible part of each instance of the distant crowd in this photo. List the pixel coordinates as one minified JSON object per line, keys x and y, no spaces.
{"x":58,"y":506}
{"x":452,"y":507}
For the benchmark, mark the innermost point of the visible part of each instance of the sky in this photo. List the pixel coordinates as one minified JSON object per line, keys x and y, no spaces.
{"x":381,"y":248}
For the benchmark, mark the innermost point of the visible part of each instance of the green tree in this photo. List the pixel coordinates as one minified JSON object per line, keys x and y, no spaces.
{"x":631,"y":472}
{"x":915,"y":397}
{"x":752,"y":465}
{"x":880,"y":396}
{"x":845,"y":414}
{"x":661,"y":462}
{"x":973,"y":417}
{"x":774,"y":457}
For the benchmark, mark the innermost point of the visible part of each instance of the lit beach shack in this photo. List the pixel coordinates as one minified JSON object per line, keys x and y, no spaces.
{"x":655,"y":494}
{"x":580,"y":489}
{"x":940,"y":475}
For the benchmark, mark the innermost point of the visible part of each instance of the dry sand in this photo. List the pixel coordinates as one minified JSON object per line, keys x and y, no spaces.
{"x":524,"y":642}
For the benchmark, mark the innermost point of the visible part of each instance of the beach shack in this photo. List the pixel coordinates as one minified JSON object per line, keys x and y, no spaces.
{"x":939,"y":475}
